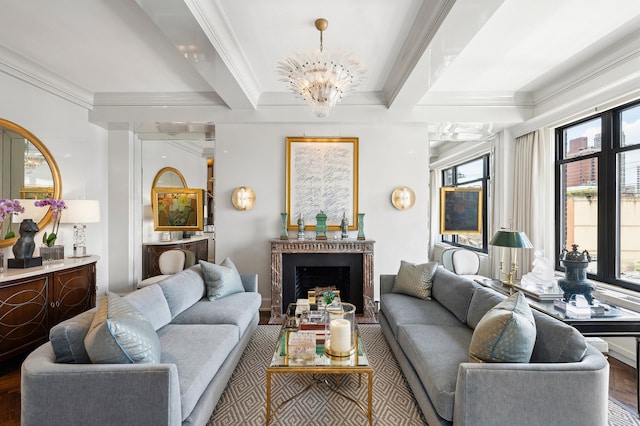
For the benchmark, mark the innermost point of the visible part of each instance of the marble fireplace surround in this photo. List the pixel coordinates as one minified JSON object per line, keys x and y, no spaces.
{"x":363,"y":247}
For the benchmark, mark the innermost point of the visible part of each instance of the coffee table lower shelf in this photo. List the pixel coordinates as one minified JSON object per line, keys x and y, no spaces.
{"x":321,"y":371}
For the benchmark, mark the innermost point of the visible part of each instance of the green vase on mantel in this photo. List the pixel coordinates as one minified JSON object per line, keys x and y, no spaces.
{"x":284,"y":235}
{"x":361,"y":226}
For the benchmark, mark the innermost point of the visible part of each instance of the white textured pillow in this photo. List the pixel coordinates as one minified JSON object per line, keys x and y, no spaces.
{"x":415,"y":280}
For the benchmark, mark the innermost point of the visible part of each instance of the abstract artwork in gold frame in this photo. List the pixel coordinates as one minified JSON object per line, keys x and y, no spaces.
{"x":322,"y":175}
{"x":177,"y":209}
{"x":460,"y":210}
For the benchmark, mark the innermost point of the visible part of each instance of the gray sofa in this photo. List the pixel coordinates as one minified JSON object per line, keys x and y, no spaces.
{"x":566,"y":381}
{"x":201,"y":342}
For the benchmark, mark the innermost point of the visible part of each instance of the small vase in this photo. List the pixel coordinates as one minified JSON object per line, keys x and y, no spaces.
{"x":361,"y":226}
{"x":1,"y":262}
{"x":284,"y":235}
{"x":52,"y":254}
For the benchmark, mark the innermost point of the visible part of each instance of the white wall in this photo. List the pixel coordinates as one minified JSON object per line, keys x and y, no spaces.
{"x":79,"y":149}
{"x":254,"y":155}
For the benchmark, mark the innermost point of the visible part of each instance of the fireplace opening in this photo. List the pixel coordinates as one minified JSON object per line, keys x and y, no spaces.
{"x":310,"y":277}
{"x":305,"y":271}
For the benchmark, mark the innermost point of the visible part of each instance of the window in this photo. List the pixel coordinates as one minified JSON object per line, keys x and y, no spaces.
{"x":472,"y":174}
{"x":598,"y":193}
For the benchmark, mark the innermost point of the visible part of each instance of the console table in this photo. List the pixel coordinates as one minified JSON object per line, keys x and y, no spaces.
{"x":33,"y":300}
{"x":151,"y":252}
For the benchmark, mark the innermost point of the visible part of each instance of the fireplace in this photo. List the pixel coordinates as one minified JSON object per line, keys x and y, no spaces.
{"x":299,"y":265}
{"x":304,"y":271}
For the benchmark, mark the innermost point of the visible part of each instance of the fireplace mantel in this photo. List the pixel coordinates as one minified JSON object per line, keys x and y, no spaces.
{"x":364,"y":247}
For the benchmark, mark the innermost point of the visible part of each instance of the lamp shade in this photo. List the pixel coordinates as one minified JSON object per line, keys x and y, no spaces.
{"x":81,"y":211}
{"x":509,"y":238}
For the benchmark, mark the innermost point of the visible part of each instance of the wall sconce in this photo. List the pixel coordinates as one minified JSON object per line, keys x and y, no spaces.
{"x":403,"y":198}
{"x":243,"y":198}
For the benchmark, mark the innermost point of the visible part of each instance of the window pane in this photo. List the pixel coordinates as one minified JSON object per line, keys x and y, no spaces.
{"x":630,"y":127}
{"x":583,"y":139}
{"x":471,"y":171}
{"x":581,"y":207}
{"x":629,"y":210}
{"x":447,"y":177}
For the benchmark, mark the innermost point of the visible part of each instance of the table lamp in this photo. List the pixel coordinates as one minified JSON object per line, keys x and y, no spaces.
{"x":513,"y":240}
{"x":80,"y":212}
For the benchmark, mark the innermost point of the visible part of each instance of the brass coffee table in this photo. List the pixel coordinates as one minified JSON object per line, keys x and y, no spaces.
{"x":282,"y":363}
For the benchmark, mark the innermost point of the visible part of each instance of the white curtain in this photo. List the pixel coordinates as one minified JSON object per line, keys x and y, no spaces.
{"x":529,"y":195}
{"x":435,"y":181}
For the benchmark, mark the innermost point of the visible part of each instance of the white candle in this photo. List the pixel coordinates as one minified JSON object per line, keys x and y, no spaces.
{"x":340,"y":335}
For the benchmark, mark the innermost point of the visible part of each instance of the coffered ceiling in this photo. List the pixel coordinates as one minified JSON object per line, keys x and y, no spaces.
{"x":467,"y":68}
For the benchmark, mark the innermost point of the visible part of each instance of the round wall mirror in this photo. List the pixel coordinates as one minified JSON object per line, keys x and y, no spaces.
{"x":27,"y":172}
{"x":169,"y":177}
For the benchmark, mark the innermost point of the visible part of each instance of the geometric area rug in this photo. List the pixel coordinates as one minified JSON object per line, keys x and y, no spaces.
{"x":243,"y":400}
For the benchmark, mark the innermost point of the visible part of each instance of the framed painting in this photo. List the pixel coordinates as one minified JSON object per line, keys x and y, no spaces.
{"x":460,"y":210}
{"x":177,"y":209}
{"x":322,"y":175}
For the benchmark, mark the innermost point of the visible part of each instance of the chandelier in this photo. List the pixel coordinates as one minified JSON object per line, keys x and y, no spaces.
{"x":32,"y":159}
{"x":320,"y":78}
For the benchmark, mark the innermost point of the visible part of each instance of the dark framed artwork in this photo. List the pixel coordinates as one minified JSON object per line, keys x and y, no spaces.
{"x":322,"y":175}
{"x":460,"y":210}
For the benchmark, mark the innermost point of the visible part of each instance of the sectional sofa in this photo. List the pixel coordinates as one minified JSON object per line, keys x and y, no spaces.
{"x":565,"y":381}
{"x":200,"y":340}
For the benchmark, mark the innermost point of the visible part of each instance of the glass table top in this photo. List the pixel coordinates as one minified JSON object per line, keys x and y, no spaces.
{"x":282,"y":358}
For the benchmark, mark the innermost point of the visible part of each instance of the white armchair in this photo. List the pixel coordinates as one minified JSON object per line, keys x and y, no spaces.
{"x":170,"y":262}
{"x":462,"y":262}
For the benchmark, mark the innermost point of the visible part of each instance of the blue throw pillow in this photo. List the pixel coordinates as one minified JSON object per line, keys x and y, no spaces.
{"x":120,"y":334}
{"x":221,"y":280}
{"x":506,"y":333}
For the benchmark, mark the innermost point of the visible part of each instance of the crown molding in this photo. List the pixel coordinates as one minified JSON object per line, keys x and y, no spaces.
{"x":31,"y":73}
{"x":165,"y":99}
{"x":606,"y":60}
{"x":212,"y":19}
{"x":430,"y":16}
{"x":515,"y":99}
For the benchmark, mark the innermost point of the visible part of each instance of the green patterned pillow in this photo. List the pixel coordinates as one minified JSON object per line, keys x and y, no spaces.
{"x":506,"y":333}
{"x":415,"y":280}
{"x":120,"y":334}
{"x":222,"y":280}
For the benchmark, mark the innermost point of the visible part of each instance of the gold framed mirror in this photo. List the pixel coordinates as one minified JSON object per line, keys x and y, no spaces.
{"x":169,"y":177}
{"x":28,"y":170}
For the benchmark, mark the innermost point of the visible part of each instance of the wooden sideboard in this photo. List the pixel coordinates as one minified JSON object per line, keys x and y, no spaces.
{"x":152,"y":251}
{"x":33,"y":300}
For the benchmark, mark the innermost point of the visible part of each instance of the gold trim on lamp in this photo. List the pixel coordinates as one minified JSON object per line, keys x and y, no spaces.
{"x":403,"y":198}
{"x":513,"y":240}
{"x":243,"y":198}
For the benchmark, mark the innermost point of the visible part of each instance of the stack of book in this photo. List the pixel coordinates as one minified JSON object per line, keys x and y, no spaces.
{"x":316,"y":323}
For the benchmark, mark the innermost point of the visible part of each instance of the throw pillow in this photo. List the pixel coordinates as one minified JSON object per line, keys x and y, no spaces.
{"x":120,"y":334}
{"x":415,"y":280}
{"x":506,"y":333}
{"x":222,"y":280}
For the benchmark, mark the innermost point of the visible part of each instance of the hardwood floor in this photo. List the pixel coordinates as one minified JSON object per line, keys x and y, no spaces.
{"x":622,"y":386}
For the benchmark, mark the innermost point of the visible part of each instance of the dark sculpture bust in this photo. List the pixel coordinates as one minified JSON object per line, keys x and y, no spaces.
{"x":24,"y":246}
